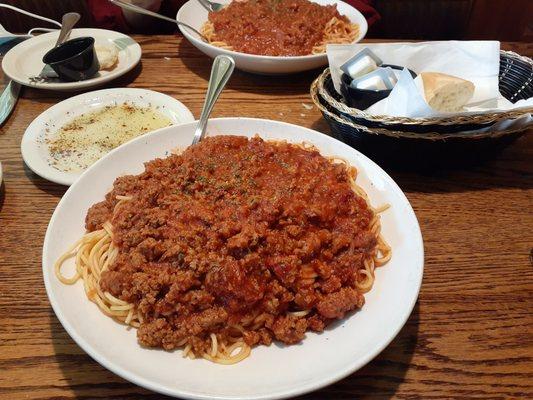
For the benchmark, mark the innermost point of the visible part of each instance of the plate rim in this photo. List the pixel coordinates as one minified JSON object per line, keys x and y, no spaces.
{"x":321,"y":382}
{"x":27,"y":142}
{"x":136,"y":52}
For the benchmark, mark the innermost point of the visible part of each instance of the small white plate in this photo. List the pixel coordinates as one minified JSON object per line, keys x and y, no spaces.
{"x":194,"y":14}
{"x":25,"y":59}
{"x":270,"y":372}
{"x":33,"y":146}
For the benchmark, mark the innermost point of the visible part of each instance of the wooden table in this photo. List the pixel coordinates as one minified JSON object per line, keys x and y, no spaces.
{"x":470,"y":334}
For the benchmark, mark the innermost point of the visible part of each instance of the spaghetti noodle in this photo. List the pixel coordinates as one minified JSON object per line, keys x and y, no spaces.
{"x":102,"y":253}
{"x":278,"y":27}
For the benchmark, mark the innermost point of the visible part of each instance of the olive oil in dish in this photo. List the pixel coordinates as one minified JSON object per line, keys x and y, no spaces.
{"x":88,"y":137}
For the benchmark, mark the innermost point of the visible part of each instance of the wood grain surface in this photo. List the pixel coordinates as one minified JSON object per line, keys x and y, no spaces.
{"x":469,"y":336}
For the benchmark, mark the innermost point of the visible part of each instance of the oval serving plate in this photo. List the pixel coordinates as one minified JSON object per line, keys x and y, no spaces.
{"x":25,"y":59}
{"x":35,"y":150}
{"x":270,"y":372}
{"x":194,"y":14}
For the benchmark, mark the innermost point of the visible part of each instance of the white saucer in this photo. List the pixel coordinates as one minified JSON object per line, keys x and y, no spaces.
{"x":35,"y":150}
{"x":25,"y":59}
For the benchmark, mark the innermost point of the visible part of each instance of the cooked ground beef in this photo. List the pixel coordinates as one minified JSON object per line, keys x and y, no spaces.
{"x":236,"y":231}
{"x":273,"y":27}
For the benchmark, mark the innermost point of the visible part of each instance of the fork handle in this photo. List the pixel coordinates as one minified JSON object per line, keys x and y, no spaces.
{"x":205,"y":4}
{"x":220,"y":73}
{"x":67,"y":23}
{"x":144,"y":11}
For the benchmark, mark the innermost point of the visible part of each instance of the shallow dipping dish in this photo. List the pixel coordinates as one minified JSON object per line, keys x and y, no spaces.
{"x":270,"y":372}
{"x":195,"y":15}
{"x":73,"y":60}
{"x":34,"y":145}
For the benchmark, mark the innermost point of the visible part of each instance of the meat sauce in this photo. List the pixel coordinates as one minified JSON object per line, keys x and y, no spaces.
{"x":273,"y":27}
{"x":236,"y":230}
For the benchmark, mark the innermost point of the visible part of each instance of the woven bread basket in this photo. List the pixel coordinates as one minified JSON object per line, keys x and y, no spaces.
{"x":515,"y":83}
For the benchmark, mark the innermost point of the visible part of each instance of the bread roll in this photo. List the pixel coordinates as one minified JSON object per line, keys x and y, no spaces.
{"x":446,"y":93}
{"x":107,"y":55}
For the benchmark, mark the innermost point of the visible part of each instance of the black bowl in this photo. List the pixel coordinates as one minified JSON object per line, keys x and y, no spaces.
{"x":364,"y":98}
{"x":74,"y":60}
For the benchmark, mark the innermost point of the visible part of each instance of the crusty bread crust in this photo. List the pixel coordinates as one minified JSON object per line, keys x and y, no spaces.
{"x":446,"y":93}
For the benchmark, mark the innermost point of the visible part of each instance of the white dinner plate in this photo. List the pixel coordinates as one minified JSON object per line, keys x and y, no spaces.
{"x":270,"y":372}
{"x":34,"y":149}
{"x":195,"y":15}
{"x":25,"y":59}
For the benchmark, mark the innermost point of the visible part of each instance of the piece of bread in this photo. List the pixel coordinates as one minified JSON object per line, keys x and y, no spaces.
{"x":446,"y":93}
{"x":107,"y":56}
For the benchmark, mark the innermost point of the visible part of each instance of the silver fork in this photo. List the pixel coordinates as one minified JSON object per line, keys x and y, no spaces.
{"x":211,"y":5}
{"x":144,"y":11}
{"x":220,"y":73}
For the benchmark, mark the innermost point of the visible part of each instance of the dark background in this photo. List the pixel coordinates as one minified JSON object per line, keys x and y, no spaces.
{"x":505,"y":20}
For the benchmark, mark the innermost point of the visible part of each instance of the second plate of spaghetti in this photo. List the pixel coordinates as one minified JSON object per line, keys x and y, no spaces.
{"x":274,"y":36}
{"x":242,"y":258}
